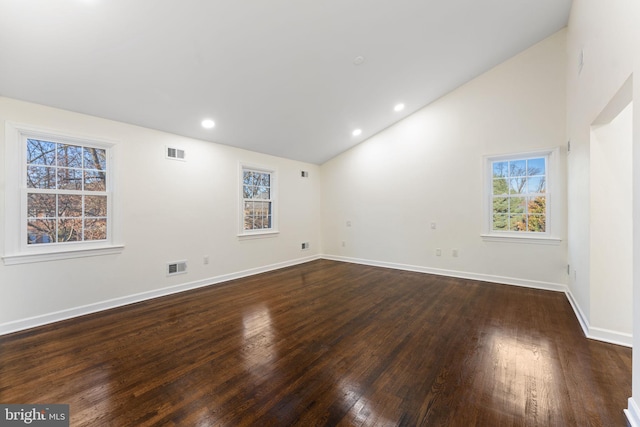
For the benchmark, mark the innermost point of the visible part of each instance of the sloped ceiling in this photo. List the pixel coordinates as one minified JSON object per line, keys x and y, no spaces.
{"x":278,"y":76}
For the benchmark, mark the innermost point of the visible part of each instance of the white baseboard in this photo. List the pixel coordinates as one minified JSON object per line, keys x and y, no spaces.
{"x":599,"y":334}
{"x":582,"y":319}
{"x":32,"y":322}
{"x":558,"y":287}
{"x":632,"y":413}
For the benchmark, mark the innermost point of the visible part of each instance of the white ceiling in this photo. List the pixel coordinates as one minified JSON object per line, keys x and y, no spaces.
{"x":277,"y":76}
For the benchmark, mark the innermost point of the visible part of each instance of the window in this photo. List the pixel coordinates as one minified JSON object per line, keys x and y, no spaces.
{"x":66,"y":189}
{"x":59,"y":196}
{"x":518,"y":199}
{"x":258,"y":201}
{"x":518,"y":196}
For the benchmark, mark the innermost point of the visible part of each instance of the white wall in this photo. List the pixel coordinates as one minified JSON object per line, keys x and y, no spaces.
{"x":200,"y":218}
{"x":429,"y":168}
{"x":600,"y":33}
{"x":611,"y":239}
{"x":609,"y":36}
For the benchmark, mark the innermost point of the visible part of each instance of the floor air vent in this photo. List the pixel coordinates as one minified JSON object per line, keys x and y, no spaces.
{"x":178,"y":267}
{"x":175,"y":153}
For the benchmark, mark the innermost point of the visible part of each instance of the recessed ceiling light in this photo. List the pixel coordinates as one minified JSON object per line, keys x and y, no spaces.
{"x":398,"y":107}
{"x":208,"y":123}
{"x":356,"y":132}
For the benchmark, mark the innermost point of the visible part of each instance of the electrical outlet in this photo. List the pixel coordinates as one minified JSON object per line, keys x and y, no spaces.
{"x":304,"y":246}
{"x":205,"y":260}
{"x":438,"y":252}
{"x":454,"y":253}
{"x":344,"y":244}
{"x":433,"y":225}
{"x":348,"y":223}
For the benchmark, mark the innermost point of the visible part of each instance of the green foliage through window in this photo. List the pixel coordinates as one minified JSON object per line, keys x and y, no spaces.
{"x":519,"y":196}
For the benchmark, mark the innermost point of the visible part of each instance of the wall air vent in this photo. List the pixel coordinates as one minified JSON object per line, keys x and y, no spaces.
{"x":175,"y":153}
{"x":178,"y":267}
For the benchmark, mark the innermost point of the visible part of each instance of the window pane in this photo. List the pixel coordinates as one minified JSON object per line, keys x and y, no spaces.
{"x":41,"y":205}
{"x":41,"y":231}
{"x":517,"y":205}
{"x":246,"y":192}
{"x":537,"y":184}
{"x":41,"y":177}
{"x":41,"y":152}
{"x":95,"y":229}
{"x":500,"y":186}
{"x":250,"y":178}
{"x":518,"y":222}
{"x":95,"y":181}
{"x":69,"y":156}
{"x":536,"y":167}
{"x":248,"y":215}
{"x":263,"y":193}
{"x":69,"y":179}
{"x":518,"y":168}
{"x":95,"y":158}
{"x":500,"y":169}
{"x":500,"y":205}
{"x":537,"y":205}
{"x":261,"y":208}
{"x":95,"y":205}
{"x":248,"y":223}
{"x":537,"y":223}
{"x":69,"y":206}
{"x":501,"y":222}
{"x":517,"y":185}
{"x":69,"y":230}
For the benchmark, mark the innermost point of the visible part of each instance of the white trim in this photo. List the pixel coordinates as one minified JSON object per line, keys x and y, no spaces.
{"x":32,"y":322}
{"x":550,"y":236}
{"x":582,"y":319}
{"x":16,"y":249}
{"x":595,"y":333}
{"x":258,"y":235}
{"x":510,"y":238}
{"x":503,"y":280}
{"x":25,"y":258}
{"x":632,"y":413}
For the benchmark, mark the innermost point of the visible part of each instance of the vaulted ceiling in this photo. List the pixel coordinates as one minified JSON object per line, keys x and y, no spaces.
{"x":292,"y":78}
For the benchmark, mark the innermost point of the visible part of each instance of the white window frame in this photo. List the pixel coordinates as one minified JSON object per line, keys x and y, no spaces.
{"x":264,"y":232}
{"x":550,"y":235}
{"x":17,"y":250}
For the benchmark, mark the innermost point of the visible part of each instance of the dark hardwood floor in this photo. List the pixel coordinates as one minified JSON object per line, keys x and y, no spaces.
{"x":325,"y":343}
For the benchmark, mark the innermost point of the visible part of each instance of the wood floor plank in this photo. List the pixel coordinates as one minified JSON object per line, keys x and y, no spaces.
{"x":325,"y":343}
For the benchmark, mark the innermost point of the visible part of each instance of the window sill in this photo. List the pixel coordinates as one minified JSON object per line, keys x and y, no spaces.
{"x":510,"y":238}
{"x":258,"y":235}
{"x":25,"y":258}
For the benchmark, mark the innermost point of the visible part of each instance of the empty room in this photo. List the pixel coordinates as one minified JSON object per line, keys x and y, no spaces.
{"x":296,"y":213}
